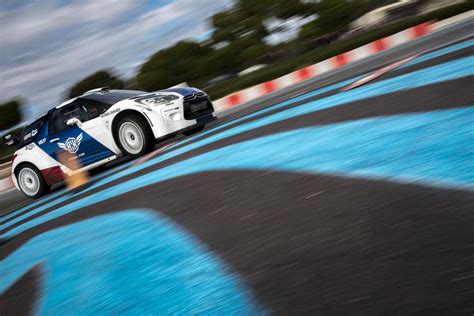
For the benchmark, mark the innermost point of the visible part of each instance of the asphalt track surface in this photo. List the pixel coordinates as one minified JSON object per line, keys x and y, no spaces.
{"x":311,"y":201}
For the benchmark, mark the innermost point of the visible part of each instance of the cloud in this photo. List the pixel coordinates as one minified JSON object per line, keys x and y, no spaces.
{"x":45,"y":48}
{"x":41,"y":26}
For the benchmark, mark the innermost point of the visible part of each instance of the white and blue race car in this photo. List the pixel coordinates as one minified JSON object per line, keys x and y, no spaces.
{"x":101,"y":125}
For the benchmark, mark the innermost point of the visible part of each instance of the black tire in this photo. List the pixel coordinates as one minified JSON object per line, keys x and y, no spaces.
{"x":194,"y":130}
{"x":33,"y":172}
{"x":138,"y":129}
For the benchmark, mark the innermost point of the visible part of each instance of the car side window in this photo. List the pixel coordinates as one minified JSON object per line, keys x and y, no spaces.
{"x":59,"y":117}
{"x":93,"y":108}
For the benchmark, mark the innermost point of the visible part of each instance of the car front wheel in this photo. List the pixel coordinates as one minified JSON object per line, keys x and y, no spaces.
{"x":134,"y":136}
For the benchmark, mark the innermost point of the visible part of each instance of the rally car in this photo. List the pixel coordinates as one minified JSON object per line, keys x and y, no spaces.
{"x":99,"y":126}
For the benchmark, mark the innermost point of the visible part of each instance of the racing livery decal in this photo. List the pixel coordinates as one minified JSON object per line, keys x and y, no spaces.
{"x":71,"y":144}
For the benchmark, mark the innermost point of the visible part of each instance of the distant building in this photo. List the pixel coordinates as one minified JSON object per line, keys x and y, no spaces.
{"x":396,"y":11}
{"x":250,"y":70}
{"x":386,"y":13}
{"x":430,"y":5}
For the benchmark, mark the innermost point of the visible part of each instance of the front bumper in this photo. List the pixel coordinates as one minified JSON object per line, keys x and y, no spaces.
{"x":195,"y":107}
{"x":205,"y":119}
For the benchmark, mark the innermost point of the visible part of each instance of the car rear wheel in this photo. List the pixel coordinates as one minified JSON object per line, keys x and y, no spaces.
{"x":134,"y":136}
{"x":31,"y":182}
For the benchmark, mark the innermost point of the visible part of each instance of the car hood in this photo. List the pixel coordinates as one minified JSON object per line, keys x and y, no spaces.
{"x":183,"y":91}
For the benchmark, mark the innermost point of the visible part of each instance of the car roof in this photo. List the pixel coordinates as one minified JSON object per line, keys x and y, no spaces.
{"x":109,"y":96}
{"x":112,"y":96}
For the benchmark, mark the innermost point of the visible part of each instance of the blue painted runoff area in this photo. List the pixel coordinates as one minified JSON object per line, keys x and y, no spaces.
{"x":434,"y":54}
{"x":439,"y":73}
{"x":433,"y":148}
{"x":132,"y":262}
{"x":440,"y":52}
{"x":31,"y":206}
{"x":428,"y":56}
{"x":54,"y":195}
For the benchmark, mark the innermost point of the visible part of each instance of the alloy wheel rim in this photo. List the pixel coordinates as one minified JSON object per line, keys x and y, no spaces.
{"x":131,"y":137}
{"x":29,"y":181}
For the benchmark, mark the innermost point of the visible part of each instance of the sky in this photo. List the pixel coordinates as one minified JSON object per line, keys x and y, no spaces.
{"x":48,"y":45}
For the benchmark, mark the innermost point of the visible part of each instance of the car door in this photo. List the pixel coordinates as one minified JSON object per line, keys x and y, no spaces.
{"x":68,"y":140}
{"x":96,"y":126}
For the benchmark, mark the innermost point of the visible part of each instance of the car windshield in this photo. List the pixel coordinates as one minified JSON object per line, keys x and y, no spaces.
{"x":113,"y":96}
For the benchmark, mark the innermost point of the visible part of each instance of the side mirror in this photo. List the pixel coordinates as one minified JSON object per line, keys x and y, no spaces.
{"x":11,"y":139}
{"x":73,"y":122}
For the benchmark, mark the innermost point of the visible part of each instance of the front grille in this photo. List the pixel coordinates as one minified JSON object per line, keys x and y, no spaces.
{"x":194,"y":96}
{"x":194,"y":99}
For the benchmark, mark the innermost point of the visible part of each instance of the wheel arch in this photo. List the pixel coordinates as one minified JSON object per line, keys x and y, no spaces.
{"x":126,"y":113}
{"x":21,"y":164}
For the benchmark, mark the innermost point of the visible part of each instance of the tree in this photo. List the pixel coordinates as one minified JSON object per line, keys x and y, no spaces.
{"x":102,"y":78}
{"x":186,"y":61}
{"x":238,"y":40}
{"x":10,"y":114}
{"x":248,"y":16}
{"x":333,"y":15}
{"x":240,"y":32}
